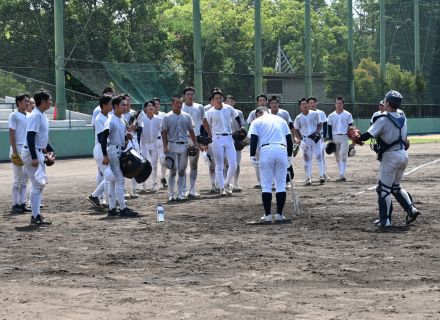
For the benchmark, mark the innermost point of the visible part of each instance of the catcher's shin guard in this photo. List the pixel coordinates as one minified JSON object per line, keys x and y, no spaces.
{"x":385,"y":204}
{"x":404,"y":199}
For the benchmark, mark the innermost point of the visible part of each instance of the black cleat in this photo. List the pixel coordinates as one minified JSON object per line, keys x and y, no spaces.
{"x":412,"y":217}
{"x":112,"y":213}
{"x":25,"y":208}
{"x":39,"y":220}
{"x":94,"y":201}
{"x":126,"y":212}
{"x":16,"y":209}
{"x":164,"y":183}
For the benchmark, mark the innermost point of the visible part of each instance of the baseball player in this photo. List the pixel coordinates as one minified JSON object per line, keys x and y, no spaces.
{"x":230,"y":100}
{"x":132,"y":127}
{"x":313,"y":102}
{"x":176,"y":126}
{"x":163,"y":169}
{"x":219,"y":128}
{"x":17,"y":137}
{"x":197,"y":113}
{"x":30,"y":106}
{"x":105,"y":103}
{"x":107,"y":91}
{"x":148,"y":138}
{"x":209,"y":158}
{"x":35,"y":145}
{"x":307,"y":129}
{"x":113,"y":141}
{"x":274,"y":105}
{"x":390,"y":131}
{"x":338,"y":123}
{"x":261,"y":102}
{"x":272,"y":136}
{"x":378,"y":112}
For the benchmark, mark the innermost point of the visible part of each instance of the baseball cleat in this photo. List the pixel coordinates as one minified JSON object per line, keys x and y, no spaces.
{"x":104,"y":204}
{"x":223,"y":192}
{"x":127,"y":196}
{"x":327,"y":177}
{"x":164,"y":183}
{"x":39,"y":220}
{"x":236,"y":188}
{"x":228,"y":190}
{"x":94,"y":201}
{"x":181,"y":197}
{"x":127,"y":212}
{"x":288,"y":186}
{"x":193,"y":194}
{"x":154,"y":188}
{"x":411,"y":217}
{"x":213,"y":189}
{"x":280,"y":217}
{"x":16,"y":209}
{"x":257,"y":186}
{"x":266,"y":218}
{"x":341,"y":179}
{"x":308,"y":182}
{"x":112,"y":212}
{"x":25,"y":208}
{"x":387,"y":224}
{"x":322,"y":180}
{"x":171,"y":198}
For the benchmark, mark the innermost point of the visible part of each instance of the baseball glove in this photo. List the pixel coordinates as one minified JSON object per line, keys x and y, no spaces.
{"x":316,"y":136}
{"x":330,"y":148}
{"x":239,"y":135}
{"x":49,"y":160}
{"x":203,"y":140}
{"x":239,"y":145}
{"x":16,"y":159}
{"x":192,"y":151}
{"x":354,"y":134}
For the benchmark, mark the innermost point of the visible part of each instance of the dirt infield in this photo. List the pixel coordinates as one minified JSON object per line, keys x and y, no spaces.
{"x":205,"y":262}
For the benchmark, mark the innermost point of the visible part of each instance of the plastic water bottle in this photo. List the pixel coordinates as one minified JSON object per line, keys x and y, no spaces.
{"x":160,"y":213}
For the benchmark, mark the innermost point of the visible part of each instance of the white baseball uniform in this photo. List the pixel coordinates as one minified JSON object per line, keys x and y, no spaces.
{"x":251,"y":118}
{"x":271,"y":131}
{"x":283,"y":114}
{"x":102,"y":188}
{"x":163,"y":169}
{"x":38,"y":123}
{"x":115,"y":145}
{"x":340,"y":123}
{"x":17,"y":122}
{"x":219,"y":121}
{"x":322,"y":118}
{"x":149,"y":142}
{"x":307,"y":124}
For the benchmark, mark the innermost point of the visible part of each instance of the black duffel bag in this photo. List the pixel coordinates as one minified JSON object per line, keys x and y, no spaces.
{"x":132,"y":163}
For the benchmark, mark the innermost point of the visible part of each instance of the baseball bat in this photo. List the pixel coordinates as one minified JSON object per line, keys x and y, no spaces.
{"x":294,"y":196}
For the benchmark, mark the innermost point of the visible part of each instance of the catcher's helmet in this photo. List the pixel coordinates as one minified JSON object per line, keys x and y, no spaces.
{"x":394,"y":98}
{"x":330,"y":148}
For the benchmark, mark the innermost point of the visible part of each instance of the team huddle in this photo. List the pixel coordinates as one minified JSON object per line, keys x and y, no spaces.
{"x":216,"y":133}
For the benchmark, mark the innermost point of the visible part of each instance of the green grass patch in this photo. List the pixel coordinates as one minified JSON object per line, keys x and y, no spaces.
{"x":423,"y":140}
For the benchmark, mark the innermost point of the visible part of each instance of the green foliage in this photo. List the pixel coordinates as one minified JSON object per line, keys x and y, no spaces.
{"x":9,"y":86}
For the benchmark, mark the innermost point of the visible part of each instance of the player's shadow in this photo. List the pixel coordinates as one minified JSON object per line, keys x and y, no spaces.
{"x":29,"y":228}
{"x":116,"y":218}
{"x":392,"y":229}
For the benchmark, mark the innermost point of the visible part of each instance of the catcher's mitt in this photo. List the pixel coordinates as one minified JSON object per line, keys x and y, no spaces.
{"x":49,"y":160}
{"x":16,"y":159}
{"x":203,"y":140}
{"x":330,"y":148}
{"x":316,"y":136}
{"x":192,"y":151}
{"x":295,"y":149}
{"x":354,"y":134}
{"x":239,"y":135}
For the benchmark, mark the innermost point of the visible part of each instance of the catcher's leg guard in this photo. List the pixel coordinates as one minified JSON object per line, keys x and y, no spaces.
{"x":406,"y":201}
{"x":385,"y":205}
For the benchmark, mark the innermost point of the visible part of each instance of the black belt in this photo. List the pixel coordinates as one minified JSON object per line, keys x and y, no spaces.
{"x":266,"y":144}
{"x":38,"y":149}
{"x":340,"y":134}
{"x":222,"y":134}
{"x":178,"y":142}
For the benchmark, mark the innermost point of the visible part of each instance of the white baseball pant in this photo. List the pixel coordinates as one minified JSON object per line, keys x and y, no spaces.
{"x":116,"y":188}
{"x":20,"y":180}
{"x":341,"y":153}
{"x":179,"y":152}
{"x":36,"y":188}
{"x":102,"y":188}
{"x":311,"y":150}
{"x":273,"y":167}
{"x":223,"y":146}
{"x":149,"y":151}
